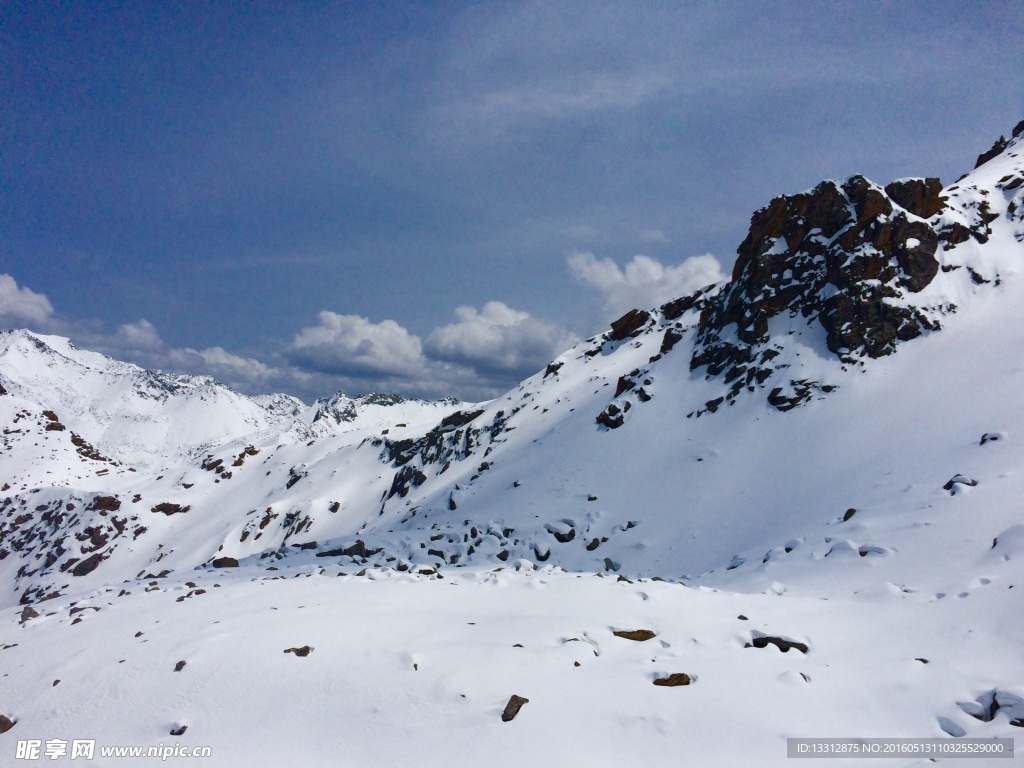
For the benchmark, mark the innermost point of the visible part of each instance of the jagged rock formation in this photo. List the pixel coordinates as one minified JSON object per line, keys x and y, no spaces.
{"x":846,"y":256}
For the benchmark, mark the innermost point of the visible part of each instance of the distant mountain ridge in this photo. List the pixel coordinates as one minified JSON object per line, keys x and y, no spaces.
{"x":149,"y":418}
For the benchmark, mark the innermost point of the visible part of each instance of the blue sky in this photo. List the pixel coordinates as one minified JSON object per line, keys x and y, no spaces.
{"x":437,"y":198}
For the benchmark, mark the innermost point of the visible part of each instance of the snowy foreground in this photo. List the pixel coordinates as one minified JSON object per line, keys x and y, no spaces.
{"x":414,"y":670}
{"x":795,"y":495}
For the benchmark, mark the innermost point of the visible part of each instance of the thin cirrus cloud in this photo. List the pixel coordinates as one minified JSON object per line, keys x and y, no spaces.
{"x":594,"y":92}
{"x":644,"y":282}
{"x":492,"y":110}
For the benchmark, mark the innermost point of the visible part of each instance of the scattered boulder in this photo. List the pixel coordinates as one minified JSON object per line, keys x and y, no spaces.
{"x":300,"y":652}
{"x":612,"y":416}
{"x":225,"y":562}
{"x":563,"y":531}
{"x":358,"y":549}
{"x":170,"y":509}
{"x":179,"y":731}
{"x":106,"y":503}
{"x":673,"y":680}
{"x":956,"y":480}
{"x":638,"y":635}
{"x":515,"y":703}
{"x":88,"y":565}
{"x":28,"y":612}
{"x":6,"y":723}
{"x":763,"y":641}
{"x":179,"y":666}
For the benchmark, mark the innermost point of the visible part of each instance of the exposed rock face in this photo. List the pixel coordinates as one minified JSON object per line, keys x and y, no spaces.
{"x":996,"y":150}
{"x":844,"y":255}
{"x":921,"y":197}
{"x":170,"y":509}
{"x":629,"y":324}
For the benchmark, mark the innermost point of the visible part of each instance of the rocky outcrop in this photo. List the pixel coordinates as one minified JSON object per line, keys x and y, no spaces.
{"x":921,"y":197}
{"x":843,"y":255}
{"x":629,"y":324}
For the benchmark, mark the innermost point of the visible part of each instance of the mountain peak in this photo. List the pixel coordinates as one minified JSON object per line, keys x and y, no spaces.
{"x":851,"y":257}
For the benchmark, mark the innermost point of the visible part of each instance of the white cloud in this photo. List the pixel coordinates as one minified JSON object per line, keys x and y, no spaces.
{"x":498,"y":338}
{"x":226,"y":364}
{"x":493,"y":110}
{"x":645,"y":282}
{"x":19,"y":306}
{"x":140,"y":335}
{"x":352,"y":345}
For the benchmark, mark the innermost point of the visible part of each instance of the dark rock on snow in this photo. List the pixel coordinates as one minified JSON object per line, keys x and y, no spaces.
{"x":634,"y":634}
{"x":675,"y":679}
{"x":515,"y":703}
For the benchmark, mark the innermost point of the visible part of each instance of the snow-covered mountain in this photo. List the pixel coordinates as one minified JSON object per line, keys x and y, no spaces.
{"x":818,"y":459}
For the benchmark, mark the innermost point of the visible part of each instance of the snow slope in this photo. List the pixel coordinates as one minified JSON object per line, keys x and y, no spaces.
{"x":825,"y":450}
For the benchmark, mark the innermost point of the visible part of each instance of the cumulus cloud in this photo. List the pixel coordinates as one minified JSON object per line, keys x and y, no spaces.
{"x":353,"y":345}
{"x":498,"y":339}
{"x":140,"y":335}
{"x":21,"y":306}
{"x":246,"y":374}
{"x":645,"y":282}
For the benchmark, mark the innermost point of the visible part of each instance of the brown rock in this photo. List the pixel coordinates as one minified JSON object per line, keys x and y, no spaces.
{"x":629,"y":324}
{"x":635,"y":634}
{"x":300,"y":652}
{"x":6,"y":723}
{"x":515,"y":703}
{"x":676,"y":678}
{"x":88,"y":565}
{"x":996,"y":150}
{"x":225,"y":562}
{"x":28,"y":612}
{"x":170,"y":509}
{"x":919,"y":196}
{"x":108,"y":503}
